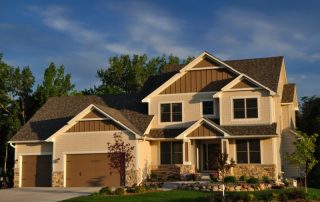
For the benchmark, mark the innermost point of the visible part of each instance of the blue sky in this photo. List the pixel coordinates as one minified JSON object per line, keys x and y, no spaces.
{"x":83,"y":34}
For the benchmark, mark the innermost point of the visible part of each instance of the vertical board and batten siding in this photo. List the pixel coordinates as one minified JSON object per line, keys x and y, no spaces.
{"x":206,"y":62}
{"x":95,"y":125}
{"x":204,"y":131}
{"x":94,"y":114}
{"x":244,"y":84}
{"x":200,"y":81}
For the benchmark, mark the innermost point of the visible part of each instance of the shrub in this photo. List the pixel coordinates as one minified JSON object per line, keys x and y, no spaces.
{"x":196,"y":176}
{"x":230,"y":179}
{"x":214,"y":177}
{"x":296,"y":194}
{"x":140,"y":189}
{"x":265,"y":179}
{"x":243,"y":178}
{"x":120,"y":191}
{"x":105,"y":190}
{"x":252,"y":180}
{"x":153,"y":176}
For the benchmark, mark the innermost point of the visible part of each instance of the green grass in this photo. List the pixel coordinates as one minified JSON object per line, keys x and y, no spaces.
{"x":178,"y":196}
{"x":314,"y":193}
{"x":169,"y":196}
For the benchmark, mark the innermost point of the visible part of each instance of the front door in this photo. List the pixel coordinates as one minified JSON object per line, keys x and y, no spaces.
{"x":210,"y":154}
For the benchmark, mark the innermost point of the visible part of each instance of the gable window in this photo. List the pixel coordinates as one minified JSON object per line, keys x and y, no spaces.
{"x":248,"y":151}
{"x":171,"y":112}
{"x":171,"y":152}
{"x":245,"y":108}
{"x":207,"y":108}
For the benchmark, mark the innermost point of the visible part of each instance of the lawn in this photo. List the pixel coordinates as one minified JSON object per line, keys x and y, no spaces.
{"x":172,"y":196}
{"x":175,"y":196}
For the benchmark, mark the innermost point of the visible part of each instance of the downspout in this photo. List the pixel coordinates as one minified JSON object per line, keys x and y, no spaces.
{"x":11,"y":144}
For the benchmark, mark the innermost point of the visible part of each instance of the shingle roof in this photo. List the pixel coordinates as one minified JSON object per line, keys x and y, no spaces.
{"x":264,"y":70}
{"x":251,"y":129}
{"x":57,"y":111}
{"x":288,"y":93}
{"x":165,"y":133}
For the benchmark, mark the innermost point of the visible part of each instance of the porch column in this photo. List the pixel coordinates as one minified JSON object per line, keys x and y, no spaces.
{"x":225,"y":146}
{"x":186,"y":152}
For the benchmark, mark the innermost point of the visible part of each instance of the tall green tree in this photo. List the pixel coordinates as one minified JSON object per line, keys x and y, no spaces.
{"x":15,"y":93}
{"x":303,"y":156}
{"x":125,"y":74}
{"x":55,"y":83}
{"x":308,"y":121}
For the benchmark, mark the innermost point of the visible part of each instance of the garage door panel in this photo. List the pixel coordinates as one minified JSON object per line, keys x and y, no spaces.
{"x":36,"y":171}
{"x":90,"y":170}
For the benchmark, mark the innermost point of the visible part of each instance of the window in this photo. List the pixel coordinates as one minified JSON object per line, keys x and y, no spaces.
{"x":245,"y":108}
{"x":171,"y":152}
{"x":248,"y":151}
{"x":207,"y":107}
{"x":171,"y":112}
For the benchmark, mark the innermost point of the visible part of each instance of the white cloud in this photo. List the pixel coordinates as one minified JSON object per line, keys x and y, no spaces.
{"x":246,"y":33}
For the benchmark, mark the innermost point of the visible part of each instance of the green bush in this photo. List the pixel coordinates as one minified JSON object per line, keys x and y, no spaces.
{"x":120,"y":191}
{"x":105,"y":190}
{"x":153,"y":175}
{"x":265,"y":179}
{"x":252,"y":180}
{"x":213,"y":177}
{"x":230,"y":179}
{"x":243,"y":178}
{"x":140,"y":189}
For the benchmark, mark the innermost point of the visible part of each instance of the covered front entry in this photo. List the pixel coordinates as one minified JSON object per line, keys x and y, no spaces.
{"x":36,"y":171}
{"x":210,"y":152}
{"x":90,"y":170}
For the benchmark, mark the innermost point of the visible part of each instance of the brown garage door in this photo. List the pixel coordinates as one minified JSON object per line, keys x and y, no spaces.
{"x":36,"y":171}
{"x":90,"y":170}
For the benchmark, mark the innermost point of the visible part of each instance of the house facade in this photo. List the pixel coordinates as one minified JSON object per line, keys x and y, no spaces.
{"x":179,"y":124}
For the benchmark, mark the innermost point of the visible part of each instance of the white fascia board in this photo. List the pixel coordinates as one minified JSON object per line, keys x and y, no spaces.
{"x":232,"y":83}
{"x":26,"y":141}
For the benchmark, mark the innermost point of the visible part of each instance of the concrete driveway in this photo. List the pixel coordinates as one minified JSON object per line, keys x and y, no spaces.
{"x":43,"y":194}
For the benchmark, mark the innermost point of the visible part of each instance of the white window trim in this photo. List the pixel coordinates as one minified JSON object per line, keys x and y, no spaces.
{"x":170,"y":122}
{"x":245,"y":119}
{"x":214,"y":108}
{"x":248,"y":153}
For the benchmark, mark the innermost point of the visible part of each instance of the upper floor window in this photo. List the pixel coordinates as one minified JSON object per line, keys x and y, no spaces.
{"x":245,"y":108}
{"x":171,"y":112}
{"x":248,"y":151}
{"x":207,"y":108}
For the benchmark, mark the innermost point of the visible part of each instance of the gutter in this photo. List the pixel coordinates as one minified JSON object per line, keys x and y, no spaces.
{"x":11,"y":144}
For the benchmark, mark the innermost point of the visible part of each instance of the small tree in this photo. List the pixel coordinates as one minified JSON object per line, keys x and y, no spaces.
{"x":303,"y":156}
{"x":121,"y":155}
{"x":224,"y":165}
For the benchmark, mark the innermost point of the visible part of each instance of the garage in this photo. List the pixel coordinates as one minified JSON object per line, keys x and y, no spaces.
{"x":36,"y":171}
{"x":90,"y":170}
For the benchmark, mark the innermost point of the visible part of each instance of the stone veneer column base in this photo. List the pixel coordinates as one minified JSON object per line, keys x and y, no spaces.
{"x":16,"y":178}
{"x":57,"y":179}
{"x":255,"y":170}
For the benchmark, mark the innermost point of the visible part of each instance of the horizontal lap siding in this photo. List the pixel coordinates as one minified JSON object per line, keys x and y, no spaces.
{"x":95,"y":125}
{"x":200,"y":81}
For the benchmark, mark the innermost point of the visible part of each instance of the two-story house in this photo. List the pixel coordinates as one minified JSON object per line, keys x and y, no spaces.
{"x":179,"y":124}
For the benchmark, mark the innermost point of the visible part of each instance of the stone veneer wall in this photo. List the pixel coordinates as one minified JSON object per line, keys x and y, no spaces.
{"x":163,"y":171}
{"x":16,"y":178}
{"x":255,"y":170}
{"x":57,"y":179}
